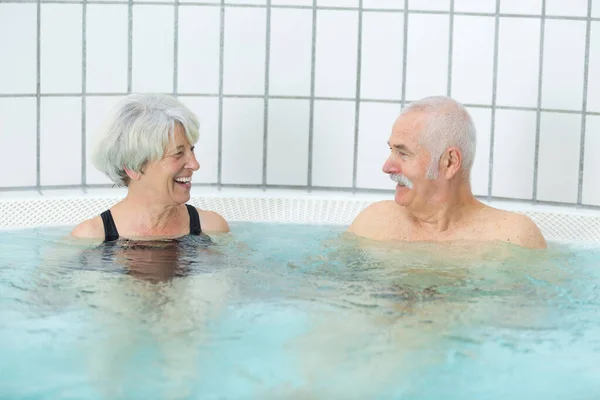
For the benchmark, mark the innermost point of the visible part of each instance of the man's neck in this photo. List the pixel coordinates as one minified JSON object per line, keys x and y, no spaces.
{"x":446,"y":210}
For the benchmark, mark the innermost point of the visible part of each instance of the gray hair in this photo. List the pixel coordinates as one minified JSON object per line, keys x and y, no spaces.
{"x":447,"y":124}
{"x":137,"y":131}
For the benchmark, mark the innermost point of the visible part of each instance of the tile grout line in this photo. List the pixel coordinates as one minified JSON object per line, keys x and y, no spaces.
{"x":221,"y":70}
{"x":311,"y":118}
{"x":494,"y":98}
{"x":536,"y":157}
{"x":301,"y":7}
{"x":357,"y":94}
{"x":266,"y":96}
{"x":83,"y":96}
{"x":294,"y":97}
{"x":404,"y":52}
{"x":38,"y":98}
{"x":176,"y":48}
{"x":586,"y":72}
{"x":129,"y":45}
{"x":450,"y":48}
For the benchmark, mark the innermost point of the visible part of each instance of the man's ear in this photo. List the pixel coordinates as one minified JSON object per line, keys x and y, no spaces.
{"x":451,"y":162}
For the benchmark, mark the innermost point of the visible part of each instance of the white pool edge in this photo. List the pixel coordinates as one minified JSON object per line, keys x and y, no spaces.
{"x":68,"y":207}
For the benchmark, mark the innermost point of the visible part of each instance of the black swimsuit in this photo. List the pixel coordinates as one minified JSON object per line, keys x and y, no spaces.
{"x":110,"y":229}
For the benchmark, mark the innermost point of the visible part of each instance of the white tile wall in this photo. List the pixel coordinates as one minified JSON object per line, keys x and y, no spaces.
{"x":207,"y":147}
{"x":427,"y":70}
{"x":482,"y":118}
{"x":153,"y":53}
{"x":245,"y":48}
{"x":260,"y":2}
{"x":97,"y":109}
{"x":292,"y":2}
{"x":533,"y":7}
{"x":287,"y":151}
{"x":106,"y":49}
{"x":514,"y":151}
{"x":333,"y":143}
{"x":473,"y":59}
{"x":384,"y":4}
{"x":290,"y":64}
{"x":591,"y":162}
{"x":18,"y":68}
{"x":593,"y":92}
{"x":61,"y":48}
{"x":435,"y":5}
{"x":481,"y":6}
{"x":198,"y":49}
{"x":337,"y":3}
{"x":564,"y":54}
{"x":518,"y":62}
{"x":558,"y":166}
{"x":243,"y":121}
{"x":595,"y":8}
{"x":60,"y":141}
{"x":576,"y":8}
{"x":336,"y":53}
{"x":18,"y":139}
{"x":375,"y":127}
{"x":381,"y":61}
{"x":289,"y":71}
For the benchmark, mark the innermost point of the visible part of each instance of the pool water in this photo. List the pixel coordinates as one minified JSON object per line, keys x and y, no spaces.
{"x":274,"y":311}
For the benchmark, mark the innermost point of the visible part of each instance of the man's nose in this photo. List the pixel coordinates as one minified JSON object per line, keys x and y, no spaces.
{"x":389,"y":167}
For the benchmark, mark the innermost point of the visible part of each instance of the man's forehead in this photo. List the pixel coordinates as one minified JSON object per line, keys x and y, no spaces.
{"x":406,"y":128}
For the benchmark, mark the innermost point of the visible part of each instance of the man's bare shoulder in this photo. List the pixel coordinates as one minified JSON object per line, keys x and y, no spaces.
{"x":377,"y":220}
{"x":517,"y":228}
{"x":212,"y":222}
{"x":89,"y":229}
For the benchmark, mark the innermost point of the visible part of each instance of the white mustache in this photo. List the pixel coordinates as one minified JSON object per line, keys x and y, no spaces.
{"x":402,"y":180}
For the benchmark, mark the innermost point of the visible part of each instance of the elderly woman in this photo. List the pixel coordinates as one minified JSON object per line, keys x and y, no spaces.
{"x":147,"y":144}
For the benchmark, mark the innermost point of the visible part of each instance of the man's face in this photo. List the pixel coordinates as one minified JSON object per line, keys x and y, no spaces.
{"x":408,"y":162}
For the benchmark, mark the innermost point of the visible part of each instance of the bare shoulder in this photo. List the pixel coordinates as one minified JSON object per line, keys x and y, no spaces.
{"x":212,"y":222}
{"x":89,"y":229}
{"x":519,"y":229}
{"x":375,"y":220}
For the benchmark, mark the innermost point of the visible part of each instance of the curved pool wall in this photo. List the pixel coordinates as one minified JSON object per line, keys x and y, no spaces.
{"x":288,"y":99}
{"x":30,"y":209}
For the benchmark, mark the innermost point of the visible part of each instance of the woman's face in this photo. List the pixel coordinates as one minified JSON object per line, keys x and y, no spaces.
{"x":170,"y":178}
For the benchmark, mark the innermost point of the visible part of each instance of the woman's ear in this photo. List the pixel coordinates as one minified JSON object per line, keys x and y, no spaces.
{"x":133,"y":175}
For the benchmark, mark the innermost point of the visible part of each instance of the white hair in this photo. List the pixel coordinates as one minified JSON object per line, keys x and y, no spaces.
{"x":446,"y":124}
{"x":137,"y":131}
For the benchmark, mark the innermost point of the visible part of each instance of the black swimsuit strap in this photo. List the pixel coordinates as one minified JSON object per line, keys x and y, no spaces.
{"x":195,"y":228}
{"x":110,"y":229}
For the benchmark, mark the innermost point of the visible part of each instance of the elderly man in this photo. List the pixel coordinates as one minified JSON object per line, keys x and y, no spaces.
{"x":432,"y":151}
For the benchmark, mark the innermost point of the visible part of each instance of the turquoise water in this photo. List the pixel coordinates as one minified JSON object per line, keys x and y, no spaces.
{"x":296,"y":312}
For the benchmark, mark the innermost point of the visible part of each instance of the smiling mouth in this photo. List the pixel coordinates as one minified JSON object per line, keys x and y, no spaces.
{"x":184,"y":181}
